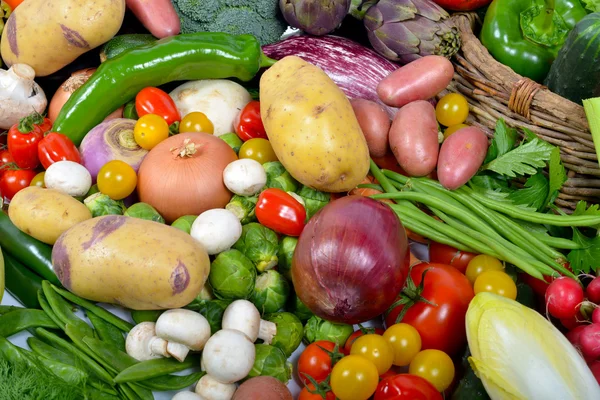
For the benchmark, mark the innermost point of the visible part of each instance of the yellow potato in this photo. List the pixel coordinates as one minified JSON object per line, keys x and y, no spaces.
{"x":45,"y":213}
{"x":139,"y":264}
{"x":47,"y":35}
{"x":312,"y":127}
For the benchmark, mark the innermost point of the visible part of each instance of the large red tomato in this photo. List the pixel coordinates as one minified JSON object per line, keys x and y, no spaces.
{"x":462,"y":5}
{"x":441,"y":320}
{"x":406,"y":387}
{"x":444,"y":254}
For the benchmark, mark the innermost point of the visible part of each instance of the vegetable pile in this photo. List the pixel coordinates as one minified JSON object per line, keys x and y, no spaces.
{"x":210,"y":210}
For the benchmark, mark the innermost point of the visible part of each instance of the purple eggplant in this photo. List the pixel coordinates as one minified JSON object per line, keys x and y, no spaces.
{"x":356,"y":69}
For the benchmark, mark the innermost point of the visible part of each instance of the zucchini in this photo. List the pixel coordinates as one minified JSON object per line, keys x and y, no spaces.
{"x":122,"y":43}
{"x":575,"y":74}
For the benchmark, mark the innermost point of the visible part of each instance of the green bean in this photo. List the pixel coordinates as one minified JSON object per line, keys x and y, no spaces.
{"x":24,"y":318}
{"x":153,"y":368}
{"x":67,"y":373}
{"x":381,"y":178}
{"x":107,"y":332}
{"x":145,"y":315}
{"x":63,"y":309}
{"x":370,"y":186}
{"x":99,"y":311}
{"x":48,"y":310}
{"x":7,"y":309}
{"x":556,"y":242}
{"x":87,"y":360}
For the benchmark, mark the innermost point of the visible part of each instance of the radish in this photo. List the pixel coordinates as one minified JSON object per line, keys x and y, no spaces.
{"x":574,"y":321}
{"x":590,"y":341}
{"x":563,"y":297}
{"x":596,"y":315}
{"x":595,"y":368}
{"x":574,"y":336}
{"x":593,"y":291}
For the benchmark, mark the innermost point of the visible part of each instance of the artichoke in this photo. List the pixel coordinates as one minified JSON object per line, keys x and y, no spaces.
{"x":316,"y":17}
{"x":405,"y":30}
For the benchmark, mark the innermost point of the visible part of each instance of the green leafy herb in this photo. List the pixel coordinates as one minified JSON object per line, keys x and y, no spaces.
{"x":582,"y":209}
{"x":504,"y":140}
{"x":534,"y":193}
{"x":588,"y":256}
{"x":524,"y":160}
{"x":490,"y":182}
{"x":557,"y":175}
{"x":591,"y":5}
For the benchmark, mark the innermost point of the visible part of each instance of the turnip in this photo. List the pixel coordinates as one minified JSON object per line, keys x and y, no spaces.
{"x":563,"y":297}
{"x":593,"y":291}
{"x":589,"y":341}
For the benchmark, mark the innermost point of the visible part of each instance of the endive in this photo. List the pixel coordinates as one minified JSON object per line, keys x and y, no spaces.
{"x":519,"y":355}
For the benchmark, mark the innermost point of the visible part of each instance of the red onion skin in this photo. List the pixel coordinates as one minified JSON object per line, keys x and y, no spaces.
{"x":349,"y":263}
{"x":356,"y":69}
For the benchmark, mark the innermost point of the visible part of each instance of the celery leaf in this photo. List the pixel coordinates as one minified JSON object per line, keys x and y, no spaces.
{"x":524,"y":160}
{"x":534,"y":193}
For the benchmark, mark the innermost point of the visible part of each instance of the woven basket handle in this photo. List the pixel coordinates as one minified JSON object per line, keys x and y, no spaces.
{"x":522,"y":95}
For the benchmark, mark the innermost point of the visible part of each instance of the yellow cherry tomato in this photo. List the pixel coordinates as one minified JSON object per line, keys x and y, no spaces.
{"x":451,"y":129}
{"x":498,"y":282}
{"x":117,"y":179}
{"x":405,"y":341}
{"x":258,"y":149}
{"x":196,"y":122}
{"x":434,"y":366}
{"x":354,"y":378}
{"x":150,"y":130}
{"x":375,"y":348}
{"x":38,"y":180}
{"x":480,"y":264}
{"x":452,"y":109}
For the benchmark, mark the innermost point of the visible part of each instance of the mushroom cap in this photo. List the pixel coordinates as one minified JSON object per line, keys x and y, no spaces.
{"x":228,"y":355}
{"x":185,"y":395}
{"x":182,"y":326}
{"x":212,"y":389}
{"x":243,"y":316}
{"x":138,"y":342}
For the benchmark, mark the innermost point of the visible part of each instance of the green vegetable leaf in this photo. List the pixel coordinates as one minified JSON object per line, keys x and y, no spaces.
{"x":490,"y":182}
{"x":591,"y":5}
{"x":588,"y":256}
{"x":557,"y":175}
{"x":583,"y":209}
{"x":524,"y":160}
{"x":504,"y":140}
{"x":534,"y":193}
{"x":529,"y":136}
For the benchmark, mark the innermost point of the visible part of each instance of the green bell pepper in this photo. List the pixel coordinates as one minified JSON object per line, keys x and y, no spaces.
{"x":526,"y":35}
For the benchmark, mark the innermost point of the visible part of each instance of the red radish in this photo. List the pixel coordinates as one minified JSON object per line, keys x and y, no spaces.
{"x":563,"y":297}
{"x":589,"y":341}
{"x":574,"y":335}
{"x":596,"y":315}
{"x":593,"y":291}
{"x":574,"y":321}
{"x":595,"y":368}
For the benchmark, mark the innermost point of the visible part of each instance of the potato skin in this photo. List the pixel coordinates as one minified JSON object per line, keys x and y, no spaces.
{"x":312,"y":127}
{"x":263,"y":388}
{"x":139,"y":264}
{"x":47,"y":35}
{"x":414,"y":138}
{"x":46,"y":213}
{"x":461,"y":156}
{"x":375,"y":124}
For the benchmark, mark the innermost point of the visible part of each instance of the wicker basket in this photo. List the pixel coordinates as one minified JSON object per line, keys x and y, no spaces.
{"x":495,"y":91}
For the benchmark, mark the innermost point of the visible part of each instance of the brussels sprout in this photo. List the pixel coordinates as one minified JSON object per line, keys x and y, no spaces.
{"x":297,"y":307}
{"x":232,"y":275}
{"x":212,"y":310}
{"x":320,"y":329}
{"x":243,"y":208}
{"x":271,"y":361}
{"x":313,"y":200}
{"x":93,"y":189}
{"x":184,"y":223}
{"x":278,"y":177}
{"x":233,"y":141}
{"x":285,"y":255}
{"x":144,"y":211}
{"x":271,"y":291}
{"x":100,"y":204}
{"x":259,"y":244}
{"x":289,"y":331}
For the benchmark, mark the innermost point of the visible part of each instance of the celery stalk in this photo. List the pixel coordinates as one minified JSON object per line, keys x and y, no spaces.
{"x":592,"y":112}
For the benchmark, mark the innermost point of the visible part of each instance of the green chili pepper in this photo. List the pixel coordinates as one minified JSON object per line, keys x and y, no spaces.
{"x":129,"y":111}
{"x":145,"y":315}
{"x":107,"y":332}
{"x":27,"y":250}
{"x":62,"y":309}
{"x":526,"y":35}
{"x":153,"y":368}
{"x":24,"y":318}
{"x":202,"y":55}
{"x":22,"y":283}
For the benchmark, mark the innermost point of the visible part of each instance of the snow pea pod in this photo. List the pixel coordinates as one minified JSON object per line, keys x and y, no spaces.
{"x":7,"y":309}
{"x":47,"y":309}
{"x":107,"y":332}
{"x":127,"y":392}
{"x":24,"y":318}
{"x":43,"y":349}
{"x":76,"y":337}
{"x":140,"y":316}
{"x":67,"y":373}
{"x":12,"y":353}
{"x":154,"y":368}
{"x":63,"y":310}
{"x":141,"y":392}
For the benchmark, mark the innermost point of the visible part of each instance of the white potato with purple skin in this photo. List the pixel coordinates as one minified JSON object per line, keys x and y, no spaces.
{"x":139,"y":264}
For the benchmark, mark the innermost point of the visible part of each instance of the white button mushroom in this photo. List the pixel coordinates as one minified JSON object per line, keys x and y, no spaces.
{"x":143,"y":344}
{"x":184,"y":330}
{"x":187,"y":396}
{"x":228,"y":356}
{"x":217,"y":230}
{"x":211,"y":389}
{"x":19,"y":95}
{"x":243,"y":316}
{"x":69,"y":177}
{"x":244,"y":177}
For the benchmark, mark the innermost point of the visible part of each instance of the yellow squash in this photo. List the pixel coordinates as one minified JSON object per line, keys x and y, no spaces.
{"x":312,"y":127}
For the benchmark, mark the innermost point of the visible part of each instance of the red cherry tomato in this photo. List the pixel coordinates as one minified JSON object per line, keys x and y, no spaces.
{"x":406,"y":387}
{"x":152,"y":100}
{"x":5,"y":159}
{"x":57,"y":147}
{"x":279,"y":211}
{"x":23,"y":139}
{"x":315,"y":361}
{"x":443,"y":254}
{"x":305,"y":394}
{"x":14,"y":180}
{"x":248,"y":124}
{"x":357,"y":334}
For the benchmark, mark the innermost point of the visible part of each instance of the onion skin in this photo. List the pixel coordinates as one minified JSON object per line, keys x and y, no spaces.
{"x":111,"y":140}
{"x":178,"y":186}
{"x":349,"y":264}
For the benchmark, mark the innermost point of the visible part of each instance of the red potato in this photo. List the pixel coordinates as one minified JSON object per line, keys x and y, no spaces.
{"x":158,"y":16}
{"x":421,"y":79}
{"x":414,"y":138}
{"x":461,"y":156}
{"x":262,"y":388}
{"x":374,"y":123}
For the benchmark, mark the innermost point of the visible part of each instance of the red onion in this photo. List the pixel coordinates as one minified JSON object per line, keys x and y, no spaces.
{"x":349,"y":264}
{"x":356,"y":69}
{"x":111,"y":140}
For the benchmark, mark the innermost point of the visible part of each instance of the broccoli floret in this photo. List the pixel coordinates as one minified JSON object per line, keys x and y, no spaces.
{"x":261,"y":18}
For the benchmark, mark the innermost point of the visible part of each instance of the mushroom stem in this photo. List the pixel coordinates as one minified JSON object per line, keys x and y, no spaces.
{"x":243,"y":316}
{"x":143,"y":344}
{"x":184,"y":330}
{"x":210,"y":388}
{"x":177,"y":350}
{"x":20,"y":96}
{"x":266,"y":331}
